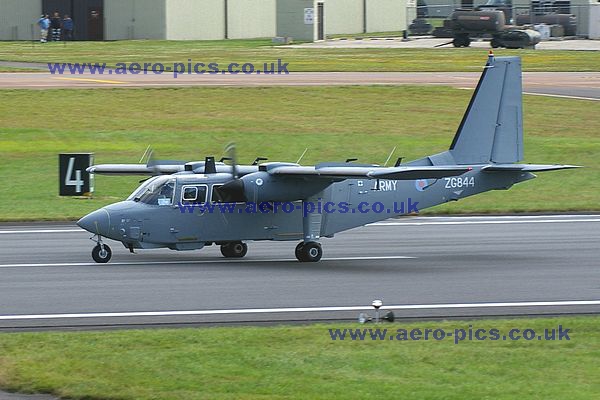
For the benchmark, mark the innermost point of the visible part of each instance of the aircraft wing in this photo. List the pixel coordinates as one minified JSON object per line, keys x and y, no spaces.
{"x":526,"y":167}
{"x":352,"y":172}
{"x":165,"y":168}
{"x":134,"y":169}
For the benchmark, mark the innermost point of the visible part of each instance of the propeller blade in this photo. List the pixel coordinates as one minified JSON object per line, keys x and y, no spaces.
{"x":231,"y":153}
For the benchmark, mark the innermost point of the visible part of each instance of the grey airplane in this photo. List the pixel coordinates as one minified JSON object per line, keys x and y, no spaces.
{"x":186,"y":206}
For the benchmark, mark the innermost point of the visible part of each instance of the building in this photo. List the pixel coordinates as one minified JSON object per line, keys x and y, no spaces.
{"x":243,"y":19}
{"x":205,"y":19}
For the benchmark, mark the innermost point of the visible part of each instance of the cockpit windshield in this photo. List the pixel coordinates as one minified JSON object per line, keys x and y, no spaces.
{"x":158,"y":190}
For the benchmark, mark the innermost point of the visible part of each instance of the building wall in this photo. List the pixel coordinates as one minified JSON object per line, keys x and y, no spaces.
{"x":344,"y":16}
{"x":135,"y":19}
{"x":386,"y":15}
{"x":290,"y":19}
{"x":594,"y":21}
{"x":580,"y":8}
{"x":16,"y":18}
{"x":195,"y":19}
{"x":251,"y":19}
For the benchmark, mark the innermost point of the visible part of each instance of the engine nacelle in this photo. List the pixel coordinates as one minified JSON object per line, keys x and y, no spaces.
{"x":262,"y":186}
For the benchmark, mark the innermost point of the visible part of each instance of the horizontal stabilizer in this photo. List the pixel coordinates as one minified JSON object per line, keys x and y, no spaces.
{"x":527,"y":167}
{"x":352,"y":172}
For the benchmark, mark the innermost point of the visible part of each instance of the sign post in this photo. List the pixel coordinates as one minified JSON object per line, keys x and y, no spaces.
{"x":309,"y":16}
{"x":73,"y":179}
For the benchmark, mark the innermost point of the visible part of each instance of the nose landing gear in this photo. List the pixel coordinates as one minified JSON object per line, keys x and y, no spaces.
{"x":101,"y":253}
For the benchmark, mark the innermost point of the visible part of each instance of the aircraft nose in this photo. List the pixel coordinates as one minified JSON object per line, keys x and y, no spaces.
{"x":96,"y":222}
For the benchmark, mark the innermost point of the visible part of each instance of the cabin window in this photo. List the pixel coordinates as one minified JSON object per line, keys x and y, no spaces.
{"x":190,"y":193}
{"x":215,"y":198}
{"x":193,"y":194}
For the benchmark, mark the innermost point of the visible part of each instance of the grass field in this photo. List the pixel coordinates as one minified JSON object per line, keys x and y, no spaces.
{"x":303,"y":362}
{"x":305,"y":59}
{"x":334,"y":123}
{"x":13,"y":69}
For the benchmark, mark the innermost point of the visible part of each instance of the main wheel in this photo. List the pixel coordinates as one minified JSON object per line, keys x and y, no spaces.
{"x":234,"y":249}
{"x":298,"y":251}
{"x":495,"y":43}
{"x":309,"y":252}
{"x":101,"y":254}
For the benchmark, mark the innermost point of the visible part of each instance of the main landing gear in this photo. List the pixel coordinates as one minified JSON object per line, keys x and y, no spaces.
{"x":234,"y":249}
{"x":101,"y":253}
{"x":309,"y":251}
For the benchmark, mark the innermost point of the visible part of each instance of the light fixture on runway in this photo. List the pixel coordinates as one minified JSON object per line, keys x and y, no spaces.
{"x":376,"y":304}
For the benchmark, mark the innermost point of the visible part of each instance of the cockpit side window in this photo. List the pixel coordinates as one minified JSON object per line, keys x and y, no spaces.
{"x":156,"y":192}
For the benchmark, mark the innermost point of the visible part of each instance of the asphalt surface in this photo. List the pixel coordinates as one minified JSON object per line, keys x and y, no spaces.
{"x":421,"y":267}
{"x":571,"y":84}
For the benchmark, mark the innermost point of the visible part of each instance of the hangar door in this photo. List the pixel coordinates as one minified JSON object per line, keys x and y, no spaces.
{"x":88,"y":16}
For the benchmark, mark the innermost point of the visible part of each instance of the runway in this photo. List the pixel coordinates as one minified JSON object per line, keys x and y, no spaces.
{"x":585,"y":85}
{"x":421,"y":267}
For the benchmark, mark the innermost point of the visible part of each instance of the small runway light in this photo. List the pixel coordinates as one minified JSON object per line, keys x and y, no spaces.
{"x":377,"y":305}
{"x":363,"y":318}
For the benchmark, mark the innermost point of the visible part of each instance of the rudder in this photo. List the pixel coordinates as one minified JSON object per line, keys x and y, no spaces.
{"x":491,"y":129}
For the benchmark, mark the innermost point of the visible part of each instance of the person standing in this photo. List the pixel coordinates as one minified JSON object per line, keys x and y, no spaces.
{"x":55,"y":24}
{"x":67,"y":26}
{"x":44,"y":24}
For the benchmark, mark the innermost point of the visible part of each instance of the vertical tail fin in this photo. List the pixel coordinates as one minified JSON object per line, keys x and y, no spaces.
{"x":492,"y":128}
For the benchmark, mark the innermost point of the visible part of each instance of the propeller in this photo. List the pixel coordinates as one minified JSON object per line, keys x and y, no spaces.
{"x":232,"y":191}
{"x":155,"y":164}
{"x":232,"y":156}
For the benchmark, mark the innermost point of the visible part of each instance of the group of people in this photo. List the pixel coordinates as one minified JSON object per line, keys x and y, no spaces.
{"x":55,"y":28}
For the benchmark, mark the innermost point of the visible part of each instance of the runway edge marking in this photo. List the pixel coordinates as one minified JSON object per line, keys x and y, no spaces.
{"x":219,"y":261}
{"x":296,"y":309}
{"x":506,"y":219}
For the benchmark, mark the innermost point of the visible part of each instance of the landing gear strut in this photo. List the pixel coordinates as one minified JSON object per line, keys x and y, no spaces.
{"x":234,"y":249}
{"x":101,"y":253}
{"x":309,"y":251}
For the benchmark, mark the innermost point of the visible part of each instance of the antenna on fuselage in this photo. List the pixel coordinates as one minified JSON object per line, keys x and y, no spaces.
{"x":302,"y":156}
{"x":147,"y":152}
{"x":209,"y":166}
{"x":258,"y":160}
{"x":390,"y":156}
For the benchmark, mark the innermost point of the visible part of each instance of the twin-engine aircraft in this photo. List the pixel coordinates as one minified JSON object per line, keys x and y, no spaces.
{"x":187,"y":206}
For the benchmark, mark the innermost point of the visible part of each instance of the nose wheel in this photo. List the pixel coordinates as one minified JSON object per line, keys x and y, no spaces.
{"x":101,"y":253}
{"x":309,"y":251}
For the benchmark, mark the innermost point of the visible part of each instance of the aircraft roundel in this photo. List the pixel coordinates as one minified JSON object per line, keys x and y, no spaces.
{"x":421,"y":184}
